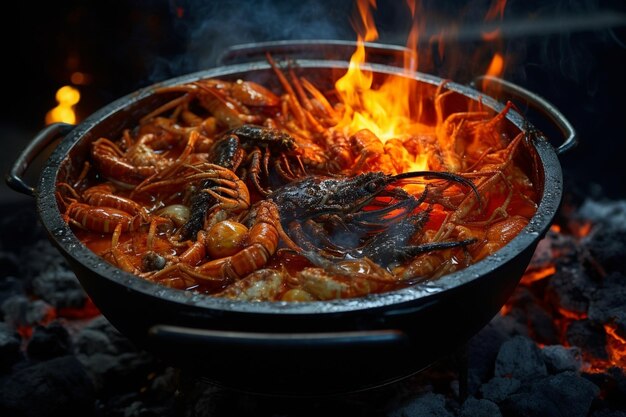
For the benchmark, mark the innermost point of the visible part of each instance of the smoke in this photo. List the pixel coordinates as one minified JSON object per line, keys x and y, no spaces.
{"x":210,"y":27}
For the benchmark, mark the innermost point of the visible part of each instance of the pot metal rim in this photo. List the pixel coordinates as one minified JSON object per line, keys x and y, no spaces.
{"x":419,"y":293}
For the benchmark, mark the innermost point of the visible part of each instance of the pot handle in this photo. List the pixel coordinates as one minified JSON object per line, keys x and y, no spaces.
{"x":40,"y":142}
{"x":234,"y":339}
{"x":316,"y":49}
{"x":538,"y":103}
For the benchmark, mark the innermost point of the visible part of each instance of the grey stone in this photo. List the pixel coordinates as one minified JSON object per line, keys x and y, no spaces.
{"x":58,"y":387}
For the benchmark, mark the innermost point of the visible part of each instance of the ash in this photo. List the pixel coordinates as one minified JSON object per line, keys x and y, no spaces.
{"x":558,"y":347}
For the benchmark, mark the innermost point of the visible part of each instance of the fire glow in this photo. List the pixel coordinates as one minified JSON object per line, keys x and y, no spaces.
{"x":392,"y":109}
{"x":67,"y":97}
{"x":537,"y":279}
{"x":386,"y":110}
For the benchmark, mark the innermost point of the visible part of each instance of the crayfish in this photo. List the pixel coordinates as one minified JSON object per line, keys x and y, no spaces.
{"x":246,"y":150}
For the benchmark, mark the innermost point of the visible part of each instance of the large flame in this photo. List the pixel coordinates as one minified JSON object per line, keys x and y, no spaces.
{"x":385,"y":109}
{"x":390,"y":108}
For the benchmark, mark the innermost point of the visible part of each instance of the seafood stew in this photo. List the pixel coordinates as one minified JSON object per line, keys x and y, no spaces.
{"x":238,"y":190}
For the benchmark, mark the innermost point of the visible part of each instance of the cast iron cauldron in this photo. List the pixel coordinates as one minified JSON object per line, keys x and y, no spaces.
{"x":297,"y":348}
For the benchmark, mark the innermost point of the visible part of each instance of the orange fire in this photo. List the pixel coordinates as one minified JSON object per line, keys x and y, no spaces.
{"x":390,"y":108}
{"x":616,"y":347}
{"x":386,"y":110}
{"x":496,"y":68}
{"x":537,"y":275}
{"x":67,"y":97}
{"x":381,"y":110}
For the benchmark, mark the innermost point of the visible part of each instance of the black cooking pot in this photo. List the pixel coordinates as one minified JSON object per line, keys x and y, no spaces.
{"x":309,"y":347}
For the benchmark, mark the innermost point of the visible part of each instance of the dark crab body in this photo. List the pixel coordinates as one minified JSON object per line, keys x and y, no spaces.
{"x":316,"y":195}
{"x":367,"y":215}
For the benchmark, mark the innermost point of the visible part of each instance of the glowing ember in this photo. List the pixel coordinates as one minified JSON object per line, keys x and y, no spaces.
{"x":572,"y":314}
{"x":616,"y":347}
{"x":537,"y":275}
{"x":583,"y":230}
{"x":67,"y":97}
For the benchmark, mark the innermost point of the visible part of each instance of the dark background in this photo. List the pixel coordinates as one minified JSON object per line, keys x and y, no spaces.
{"x":570,"y":52}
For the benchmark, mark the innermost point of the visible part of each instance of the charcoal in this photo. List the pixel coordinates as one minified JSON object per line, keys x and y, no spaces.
{"x":132,"y":405}
{"x":542,"y":257}
{"x":99,"y":336}
{"x":157,"y":400}
{"x":497,"y":389}
{"x":574,"y":393}
{"x":512,"y":324}
{"x":542,"y":325}
{"x":529,"y":312}
{"x":429,"y":404}
{"x":59,"y":288}
{"x":565,"y":250}
{"x":118,"y":373}
{"x":608,"y":247}
{"x":141,"y":409}
{"x":166,"y":382}
{"x":10,"y":286}
{"x":520,"y":358}
{"x":115,"y":406}
{"x":588,"y":336}
{"x":607,"y":303}
{"x":613,"y":280}
{"x":9,"y":265}
{"x":479,"y":408}
{"x":209,"y":401}
{"x":570,"y":288}
{"x":559,"y":358}
{"x":58,"y":387}
{"x":619,"y":322}
{"x":49,"y":342}
{"x":484,"y":346}
{"x":530,"y":404}
{"x":613,"y":308}
{"x":611,"y":214}
{"x":522,"y":297}
{"x":608,"y":413}
{"x":90,"y":341}
{"x":615,"y":390}
{"x":10,"y":343}
{"x":562,"y":395}
{"x":20,"y":311}
{"x":40,"y":258}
